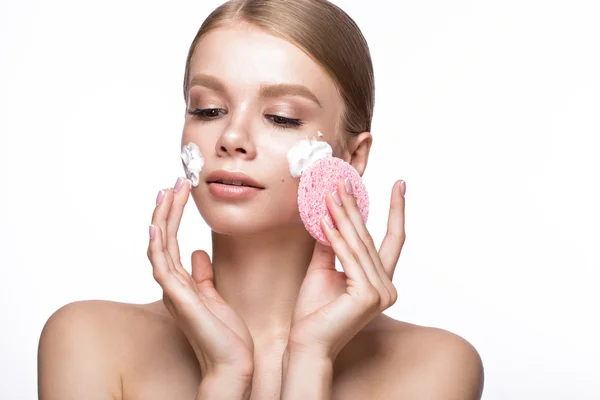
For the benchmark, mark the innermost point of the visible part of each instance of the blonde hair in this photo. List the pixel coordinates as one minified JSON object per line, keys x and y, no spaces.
{"x":324,"y":32}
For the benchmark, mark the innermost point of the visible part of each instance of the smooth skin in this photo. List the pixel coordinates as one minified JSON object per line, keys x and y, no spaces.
{"x":333,"y":306}
{"x":125,"y":351}
{"x":250,"y":322}
{"x":220,"y":339}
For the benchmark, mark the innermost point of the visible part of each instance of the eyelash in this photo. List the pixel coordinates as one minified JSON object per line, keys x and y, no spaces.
{"x":285,"y":123}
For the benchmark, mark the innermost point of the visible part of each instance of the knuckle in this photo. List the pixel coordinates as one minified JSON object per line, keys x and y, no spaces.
{"x":368,"y":239}
{"x":393,"y":295}
{"x":360,"y":247}
{"x":389,"y":235}
{"x":158,"y":275}
{"x":386,"y":300}
{"x":355,"y":256}
{"x":171,"y":234}
{"x":398,"y":236}
{"x":372,"y":298}
{"x":150,"y":253}
{"x":171,"y":250}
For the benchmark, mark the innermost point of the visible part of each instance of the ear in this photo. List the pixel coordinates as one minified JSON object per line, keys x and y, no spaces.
{"x":358,"y":148}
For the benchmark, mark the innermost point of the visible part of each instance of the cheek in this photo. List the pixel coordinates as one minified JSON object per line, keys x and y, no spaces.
{"x":274,"y":148}
{"x":283,"y":187}
{"x":188,"y":132}
{"x":203,"y":139}
{"x":187,"y":136}
{"x":286,"y":201}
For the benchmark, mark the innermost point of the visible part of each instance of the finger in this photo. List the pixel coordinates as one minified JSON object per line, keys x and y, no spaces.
{"x":179,"y":271}
{"x":357,"y":279}
{"x":350,"y":235}
{"x":166,"y":276}
{"x":323,"y":257}
{"x":392,"y":244}
{"x":165,"y":199}
{"x":180,"y":198}
{"x":159,"y":216}
{"x":183,"y":299}
{"x":203,"y":274}
{"x":356,"y":217}
{"x":340,"y":243}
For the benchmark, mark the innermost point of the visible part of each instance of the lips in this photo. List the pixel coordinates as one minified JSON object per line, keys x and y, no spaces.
{"x":232,"y":178}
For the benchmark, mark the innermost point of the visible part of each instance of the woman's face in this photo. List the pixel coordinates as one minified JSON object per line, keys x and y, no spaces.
{"x":255,"y":96}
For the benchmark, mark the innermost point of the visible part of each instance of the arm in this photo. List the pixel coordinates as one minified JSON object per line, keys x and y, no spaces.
{"x":306,"y":377}
{"x":73,"y":357}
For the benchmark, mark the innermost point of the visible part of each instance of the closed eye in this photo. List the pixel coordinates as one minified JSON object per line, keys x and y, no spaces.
{"x":282,"y":122}
{"x":278,"y":121}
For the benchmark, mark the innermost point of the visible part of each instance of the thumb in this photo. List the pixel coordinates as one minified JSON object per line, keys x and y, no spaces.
{"x":323,"y":257}
{"x":202,"y":272}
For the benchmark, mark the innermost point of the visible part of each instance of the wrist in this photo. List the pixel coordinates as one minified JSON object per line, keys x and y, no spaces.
{"x":300,"y":354}
{"x":318,"y":360}
{"x":225,"y":384}
{"x":306,"y":376}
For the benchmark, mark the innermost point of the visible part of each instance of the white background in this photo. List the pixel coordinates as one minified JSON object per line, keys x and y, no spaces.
{"x":488,"y":109}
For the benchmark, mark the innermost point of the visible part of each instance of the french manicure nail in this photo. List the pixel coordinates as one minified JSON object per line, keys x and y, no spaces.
{"x":328,"y":222}
{"x":151,"y":231}
{"x":178,"y":184}
{"x":336,"y":198}
{"x":160,"y":196}
{"x":403,"y":188}
{"x":348,"y":186}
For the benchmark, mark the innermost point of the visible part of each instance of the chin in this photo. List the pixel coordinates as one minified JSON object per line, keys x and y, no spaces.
{"x":234,"y":227}
{"x":247,"y":219}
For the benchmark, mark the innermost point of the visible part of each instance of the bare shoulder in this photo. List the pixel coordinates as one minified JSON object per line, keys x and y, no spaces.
{"x":427,"y":362}
{"x":109,"y":324}
{"x":73,"y":353}
{"x":97,"y":346}
{"x":391,"y":359}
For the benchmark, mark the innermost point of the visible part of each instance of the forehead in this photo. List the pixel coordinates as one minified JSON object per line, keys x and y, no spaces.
{"x":244,"y":57}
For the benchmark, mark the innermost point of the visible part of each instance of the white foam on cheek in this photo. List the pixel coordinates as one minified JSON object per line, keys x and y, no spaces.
{"x":193,"y":162}
{"x":305,"y":153}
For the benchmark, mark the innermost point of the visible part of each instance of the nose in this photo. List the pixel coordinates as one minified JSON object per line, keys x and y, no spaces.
{"x":236,"y":142}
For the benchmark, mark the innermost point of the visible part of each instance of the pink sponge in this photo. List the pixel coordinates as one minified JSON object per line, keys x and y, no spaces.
{"x":319,"y":179}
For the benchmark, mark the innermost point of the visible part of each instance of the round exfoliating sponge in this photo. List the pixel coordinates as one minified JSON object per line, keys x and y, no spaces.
{"x":319,"y":179}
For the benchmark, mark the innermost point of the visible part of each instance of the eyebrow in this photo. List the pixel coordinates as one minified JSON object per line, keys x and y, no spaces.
{"x":266,"y":90}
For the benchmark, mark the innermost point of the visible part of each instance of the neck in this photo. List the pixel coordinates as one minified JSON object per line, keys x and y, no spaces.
{"x":260,"y":275}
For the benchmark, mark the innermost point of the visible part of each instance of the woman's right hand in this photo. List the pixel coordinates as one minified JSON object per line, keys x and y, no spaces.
{"x":217,"y":334}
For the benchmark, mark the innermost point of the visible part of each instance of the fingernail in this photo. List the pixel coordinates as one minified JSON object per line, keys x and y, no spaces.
{"x":178,"y":184}
{"x":403,"y":188}
{"x":160,"y":196}
{"x":349,"y":186}
{"x":151,"y":231}
{"x":190,"y":183}
{"x":336,"y":198}
{"x":328,"y":222}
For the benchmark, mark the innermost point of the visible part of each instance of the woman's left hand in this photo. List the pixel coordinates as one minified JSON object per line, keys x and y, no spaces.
{"x":332,"y":307}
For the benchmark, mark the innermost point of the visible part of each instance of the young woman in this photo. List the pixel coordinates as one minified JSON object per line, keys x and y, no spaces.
{"x":269,"y":317}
